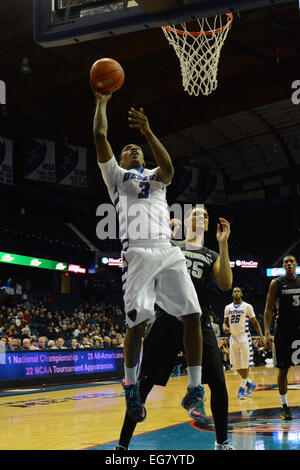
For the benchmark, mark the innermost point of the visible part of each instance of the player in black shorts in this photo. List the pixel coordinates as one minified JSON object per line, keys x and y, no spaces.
{"x":160,"y":355}
{"x":284,"y":293}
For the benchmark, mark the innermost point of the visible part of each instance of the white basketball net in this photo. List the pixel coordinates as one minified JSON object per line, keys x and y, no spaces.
{"x":199,"y":52}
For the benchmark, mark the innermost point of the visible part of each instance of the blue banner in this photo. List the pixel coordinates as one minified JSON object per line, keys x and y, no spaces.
{"x":35,"y":364}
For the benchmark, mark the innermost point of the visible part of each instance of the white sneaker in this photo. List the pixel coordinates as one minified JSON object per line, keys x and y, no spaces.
{"x":224,"y":446}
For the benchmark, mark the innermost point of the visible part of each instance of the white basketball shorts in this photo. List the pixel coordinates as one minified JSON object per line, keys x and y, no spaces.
{"x":239,"y":352}
{"x":156,"y":276}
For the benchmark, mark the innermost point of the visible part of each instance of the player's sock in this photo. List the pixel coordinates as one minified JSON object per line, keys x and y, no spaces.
{"x":243,"y":383}
{"x":283,"y":399}
{"x":130,"y":375}
{"x":195,"y":375}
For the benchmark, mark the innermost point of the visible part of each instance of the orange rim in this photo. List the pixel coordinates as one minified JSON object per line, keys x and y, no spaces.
{"x":206,"y":33}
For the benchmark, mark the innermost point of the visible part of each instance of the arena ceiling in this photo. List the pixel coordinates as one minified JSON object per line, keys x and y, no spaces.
{"x":248,"y":128}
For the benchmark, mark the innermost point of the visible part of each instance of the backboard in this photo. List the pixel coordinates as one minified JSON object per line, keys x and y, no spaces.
{"x":62,"y":22}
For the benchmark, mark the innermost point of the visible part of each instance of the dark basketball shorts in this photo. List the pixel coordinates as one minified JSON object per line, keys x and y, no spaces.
{"x":162,"y":345}
{"x":286,"y":350}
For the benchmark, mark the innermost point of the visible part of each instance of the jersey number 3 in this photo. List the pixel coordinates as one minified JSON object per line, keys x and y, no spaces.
{"x":296,"y":301}
{"x":144,"y":193}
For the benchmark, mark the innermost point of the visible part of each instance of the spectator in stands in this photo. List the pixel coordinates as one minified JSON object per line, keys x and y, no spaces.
{"x":98,"y":344}
{"x":50,"y":332}
{"x":77,"y":333}
{"x":90,"y":320}
{"x":34,"y":341}
{"x":85,"y":343}
{"x":75,"y":344}
{"x":64,"y":332}
{"x":224,"y":351}
{"x":10,"y":345}
{"x":114,"y":343}
{"x":27,"y":316}
{"x":4,"y":341}
{"x":42,"y":343}
{"x":106,"y":342}
{"x":15,"y":333}
{"x":59,"y":344}
{"x":12,"y":322}
{"x":49,"y":318}
{"x":15,"y":344}
{"x":25,"y":333}
{"x":27,"y":346}
{"x":259,"y":353}
{"x":50,"y":344}
{"x":20,"y":320}
{"x":215,"y":326}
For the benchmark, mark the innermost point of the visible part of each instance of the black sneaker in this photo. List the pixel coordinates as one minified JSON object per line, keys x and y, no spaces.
{"x":118,"y":447}
{"x":286,"y":413}
{"x":193,"y":402}
{"x":135,"y":408}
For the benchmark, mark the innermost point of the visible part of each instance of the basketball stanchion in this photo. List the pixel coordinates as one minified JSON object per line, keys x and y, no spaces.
{"x":199,"y":51}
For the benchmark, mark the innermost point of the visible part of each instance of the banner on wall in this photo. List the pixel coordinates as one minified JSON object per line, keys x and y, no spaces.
{"x":71,"y":165}
{"x":6,"y":161}
{"x":39,"y":160}
{"x":197,"y":185}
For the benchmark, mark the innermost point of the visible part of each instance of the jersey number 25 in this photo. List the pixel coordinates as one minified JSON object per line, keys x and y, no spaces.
{"x":196,"y":268}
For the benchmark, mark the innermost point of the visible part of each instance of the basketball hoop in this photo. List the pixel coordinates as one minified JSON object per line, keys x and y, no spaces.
{"x":199,"y":52}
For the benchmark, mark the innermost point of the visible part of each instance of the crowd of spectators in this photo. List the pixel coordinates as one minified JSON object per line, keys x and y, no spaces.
{"x":33,"y":325}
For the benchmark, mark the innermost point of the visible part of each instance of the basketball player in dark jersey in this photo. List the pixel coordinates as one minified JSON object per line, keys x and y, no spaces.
{"x":160,"y":354}
{"x":284,"y":293}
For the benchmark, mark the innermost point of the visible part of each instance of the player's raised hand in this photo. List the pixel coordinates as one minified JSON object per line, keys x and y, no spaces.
{"x":138,"y":120}
{"x":102,"y":97}
{"x":175,"y":225}
{"x":223,"y":230}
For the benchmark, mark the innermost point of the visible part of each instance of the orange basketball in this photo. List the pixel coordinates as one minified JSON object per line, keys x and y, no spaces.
{"x":107,"y":75}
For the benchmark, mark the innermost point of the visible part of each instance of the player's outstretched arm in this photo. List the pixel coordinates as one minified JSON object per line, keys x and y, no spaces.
{"x":104,"y":150}
{"x":268,"y":314}
{"x":221,"y":268}
{"x":138,"y":120}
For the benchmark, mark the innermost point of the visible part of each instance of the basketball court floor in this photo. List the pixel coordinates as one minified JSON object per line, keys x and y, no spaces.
{"x":89,"y":417}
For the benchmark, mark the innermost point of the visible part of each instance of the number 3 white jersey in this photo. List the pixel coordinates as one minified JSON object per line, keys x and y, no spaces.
{"x":239,"y":318}
{"x":139,"y":198}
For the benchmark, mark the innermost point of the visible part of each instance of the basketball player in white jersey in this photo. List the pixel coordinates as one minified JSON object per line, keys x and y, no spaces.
{"x":153,"y":270}
{"x":236,"y":323}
